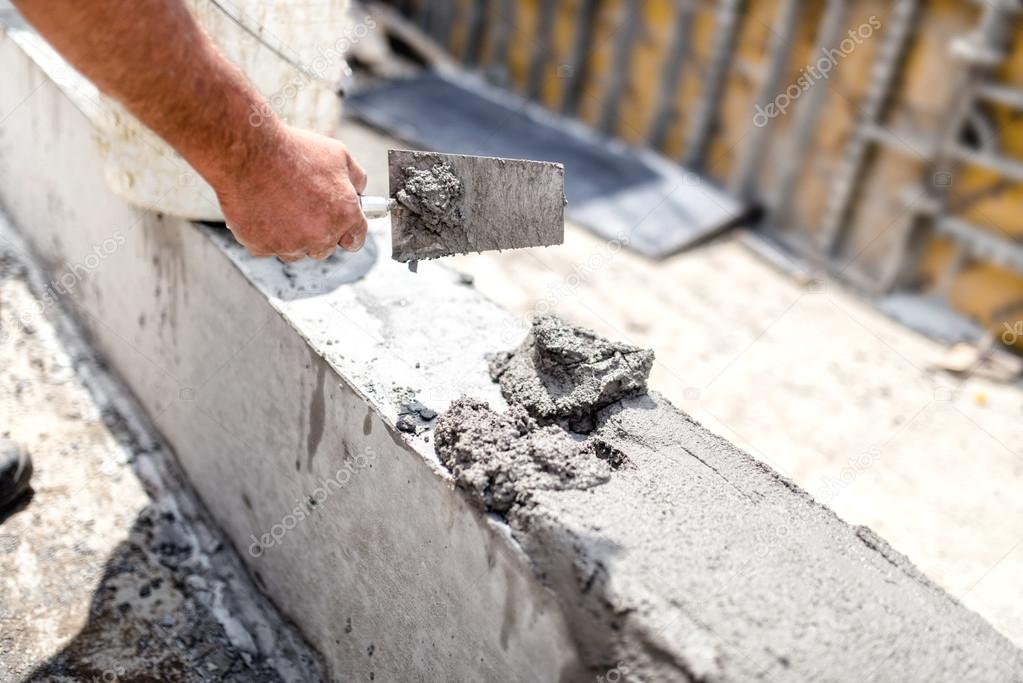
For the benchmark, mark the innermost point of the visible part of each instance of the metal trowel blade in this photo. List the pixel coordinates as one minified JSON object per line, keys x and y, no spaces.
{"x":501,"y":204}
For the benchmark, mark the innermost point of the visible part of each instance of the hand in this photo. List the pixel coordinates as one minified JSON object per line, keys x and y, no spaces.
{"x":296,"y":196}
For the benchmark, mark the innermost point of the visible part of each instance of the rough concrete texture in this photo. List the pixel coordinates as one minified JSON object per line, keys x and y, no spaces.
{"x":413,"y":416}
{"x":110,"y":571}
{"x":698,"y":563}
{"x":434,"y":195}
{"x":502,"y":458}
{"x":450,"y":204}
{"x":566,"y":374}
{"x":699,"y":558}
{"x":274,"y":387}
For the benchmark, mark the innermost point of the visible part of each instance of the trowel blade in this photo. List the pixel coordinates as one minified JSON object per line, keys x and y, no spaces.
{"x":501,"y":204}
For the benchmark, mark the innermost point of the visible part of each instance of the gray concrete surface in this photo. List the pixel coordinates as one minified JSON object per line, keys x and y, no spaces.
{"x":111,"y":570}
{"x":808,"y":378}
{"x":276,"y":387}
{"x":691,"y":560}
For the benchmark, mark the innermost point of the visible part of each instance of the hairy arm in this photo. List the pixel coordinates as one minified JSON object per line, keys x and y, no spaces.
{"x":284,"y":191}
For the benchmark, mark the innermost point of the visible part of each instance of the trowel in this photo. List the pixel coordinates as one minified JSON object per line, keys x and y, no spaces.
{"x":445,"y":204}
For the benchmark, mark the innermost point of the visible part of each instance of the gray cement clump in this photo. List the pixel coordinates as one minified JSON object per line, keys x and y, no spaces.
{"x":502,"y":458}
{"x":566,"y":374}
{"x":435,"y":196}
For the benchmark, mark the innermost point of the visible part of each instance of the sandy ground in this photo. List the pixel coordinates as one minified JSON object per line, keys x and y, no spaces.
{"x":806,"y":377}
{"x":110,"y":572}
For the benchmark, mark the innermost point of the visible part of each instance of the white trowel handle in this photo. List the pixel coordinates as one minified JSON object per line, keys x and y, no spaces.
{"x":376,"y":207}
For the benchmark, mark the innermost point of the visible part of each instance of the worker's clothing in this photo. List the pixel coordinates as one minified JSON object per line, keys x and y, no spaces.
{"x":287,"y":50}
{"x":15,"y":473}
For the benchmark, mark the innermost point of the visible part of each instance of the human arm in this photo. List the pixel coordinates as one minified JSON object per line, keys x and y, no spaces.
{"x":283,"y":191}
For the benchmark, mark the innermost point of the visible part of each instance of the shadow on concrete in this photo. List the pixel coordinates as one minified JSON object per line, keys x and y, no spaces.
{"x":20,"y":505}
{"x":305,"y":278}
{"x":146,"y":621}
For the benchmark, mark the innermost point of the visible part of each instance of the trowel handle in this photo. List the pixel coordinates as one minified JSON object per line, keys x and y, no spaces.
{"x":376,"y":207}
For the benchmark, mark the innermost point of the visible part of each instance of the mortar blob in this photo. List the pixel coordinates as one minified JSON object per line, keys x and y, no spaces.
{"x":566,"y":374}
{"x":435,"y":196}
{"x":502,"y":458}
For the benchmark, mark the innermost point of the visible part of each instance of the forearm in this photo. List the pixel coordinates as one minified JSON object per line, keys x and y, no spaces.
{"x":153,"y":57}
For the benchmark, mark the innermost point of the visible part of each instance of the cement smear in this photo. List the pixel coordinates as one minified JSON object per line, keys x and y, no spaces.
{"x":561,"y":374}
{"x":435,"y":197}
{"x":502,"y":458}
{"x":566,"y":374}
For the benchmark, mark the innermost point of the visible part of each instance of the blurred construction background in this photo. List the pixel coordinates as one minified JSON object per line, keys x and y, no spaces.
{"x":900,"y":173}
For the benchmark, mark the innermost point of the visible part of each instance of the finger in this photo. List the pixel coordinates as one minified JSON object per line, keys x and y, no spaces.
{"x":357,"y":175}
{"x":323,"y":253}
{"x":356,"y":236}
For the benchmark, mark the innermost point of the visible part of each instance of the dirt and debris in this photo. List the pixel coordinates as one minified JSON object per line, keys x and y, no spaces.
{"x":110,"y":570}
{"x":566,"y":374}
{"x":502,"y":458}
{"x":558,"y":380}
{"x":413,"y":416}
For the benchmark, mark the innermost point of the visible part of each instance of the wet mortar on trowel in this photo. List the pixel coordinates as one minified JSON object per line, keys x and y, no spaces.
{"x":434,"y":196}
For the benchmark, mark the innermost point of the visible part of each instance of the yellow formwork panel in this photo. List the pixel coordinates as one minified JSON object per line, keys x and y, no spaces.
{"x":749,"y":64}
{"x":459,"y":35}
{"x":645,"y":69}
{"x":980,"y":196}
{"x":555,"y":77}
{"x":521,"y":42}
{"x":701,"y":41}
{"x":801,"y":66}
{"x":845,"y":87}
{"x":599,"y":63}
{"x":921,"y":98}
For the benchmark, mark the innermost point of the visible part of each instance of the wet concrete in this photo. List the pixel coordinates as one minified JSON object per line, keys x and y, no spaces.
{"x":563,"y":373}
{"x":502,"y":458}
{"x":434,"y":195}
{"x":691,"y":561}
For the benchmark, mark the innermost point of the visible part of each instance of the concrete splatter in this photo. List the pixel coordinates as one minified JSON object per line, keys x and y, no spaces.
{"x":502,"y":458}
{"x":566,"y":374}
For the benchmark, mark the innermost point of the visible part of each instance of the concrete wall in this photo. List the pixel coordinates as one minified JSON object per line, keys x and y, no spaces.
{"x":280,"y":384}
{"x":390,"y":574}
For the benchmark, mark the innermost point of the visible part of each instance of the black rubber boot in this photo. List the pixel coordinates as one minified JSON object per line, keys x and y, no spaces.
{"x":15,"y":472}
